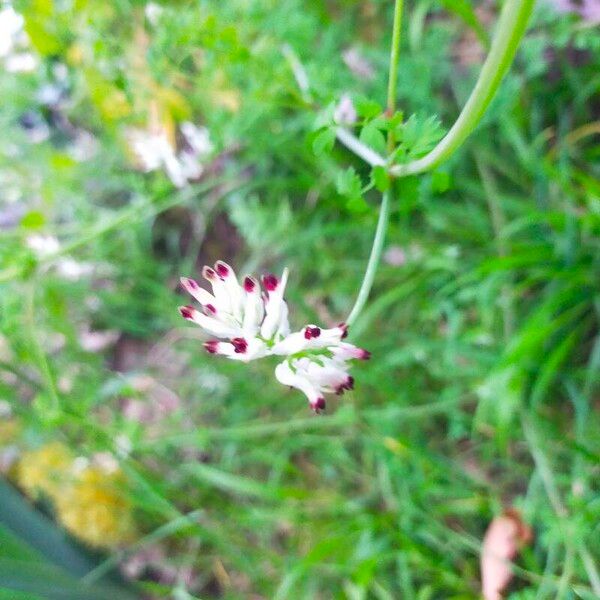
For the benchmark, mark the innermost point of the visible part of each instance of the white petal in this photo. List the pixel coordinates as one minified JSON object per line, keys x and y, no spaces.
{"x":283,"y":329}
{"x":209,"y":324}
{"x":310,"y":337}
{"x":254,"y":309}
{"x":253,"y":349}
{"x":329,"y":376}
{"x":200,"y":294}
{"x":219,"y":289}
{"x":345,"y":351}
{"x":235,"y":291}
{"x":274,"y":307}
{"x":291,"y":344}
{"x":286,"y":376}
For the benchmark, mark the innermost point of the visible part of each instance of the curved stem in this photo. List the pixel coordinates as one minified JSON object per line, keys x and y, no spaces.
{"x":511,"y":27}
{"x":365,"y":288}
{"x":384,"y":209}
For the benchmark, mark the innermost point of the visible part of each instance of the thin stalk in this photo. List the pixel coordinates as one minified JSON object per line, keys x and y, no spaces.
{"x":384,"y":209}
{"x":394,"y":58}
{"x":39,"y":352}
{"x":510,"y":30}
{"x":351,"y":142}
{"x":365,"y":288}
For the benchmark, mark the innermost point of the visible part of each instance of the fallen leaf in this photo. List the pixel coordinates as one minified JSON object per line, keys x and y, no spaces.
{"x":503,"y":539}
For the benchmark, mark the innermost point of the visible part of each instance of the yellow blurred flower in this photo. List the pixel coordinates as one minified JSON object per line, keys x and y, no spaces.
{"x":89,"y":499}
{"x":45,"y":471}
{"x":95,"y":508}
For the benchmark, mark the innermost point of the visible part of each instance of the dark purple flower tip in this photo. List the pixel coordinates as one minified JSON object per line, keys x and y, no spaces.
{"x":364,"y":354}
{"x":249,"y":284}
{"x":208,"y":273}
{"x":312,"y":332}
{"x":240,"y":345}
{"x":270,"y":282}
{"x":347,"y":385}
{"x":187,"y":312}
{"x":211,"y":346}
{"x":222,"y":269}
{"x":318,"y":405}
{"x":344,"y":329}
{"x":188,"y":284}
{"x":210,"y":308}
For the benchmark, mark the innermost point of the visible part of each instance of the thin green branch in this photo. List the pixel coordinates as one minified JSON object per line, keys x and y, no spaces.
{"x":384,"y":209}
{"x":394,"y":58}
{"x":511,"y":27}
{"x":365,"y":288}
{"x":358,"y":148}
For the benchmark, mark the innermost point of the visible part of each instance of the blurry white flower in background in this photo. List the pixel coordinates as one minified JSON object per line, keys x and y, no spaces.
{"x":358,"y":63}
{"x":43,"y":245}
{"x":48,"y":247}
{"x":24,"y":62}
{"x":153,"y":12}
{"x":154,"y":150}
{"x":14,"y":42}
{"x":345,"y":113}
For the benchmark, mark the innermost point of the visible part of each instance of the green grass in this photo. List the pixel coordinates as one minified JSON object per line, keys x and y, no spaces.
{"x":482,"y":392}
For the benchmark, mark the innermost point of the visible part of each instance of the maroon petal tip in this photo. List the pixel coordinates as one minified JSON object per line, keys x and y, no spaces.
{"x":240,"y":345}
{"x":222,"y":269}
{"x":318,"y":405}
{"x":270,"y":282}
{"x":249,"y":284}
{"x":209,"y":308}
{"x":209,"y":273}
{"x":312,"y":332}
{"x":211,"y":346}
{"x":188,"y":283}
{"x":344,"y":329}
{"x":187,"y":312}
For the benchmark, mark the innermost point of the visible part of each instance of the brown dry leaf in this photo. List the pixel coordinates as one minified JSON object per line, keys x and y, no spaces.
{"x":504,"y":537}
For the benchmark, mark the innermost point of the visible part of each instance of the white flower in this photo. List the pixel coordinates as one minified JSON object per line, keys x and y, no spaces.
{"x":153,"y":12}
{"x":14,"y":43}
{"x":154,"y":151}
{"x":253,"y":324}
{"x":11,"y":31}
{"x":23,"y":62}
{"x":345,"y":113}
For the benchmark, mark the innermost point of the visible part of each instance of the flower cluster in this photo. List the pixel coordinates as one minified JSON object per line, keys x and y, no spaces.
{"x":252,"y":322}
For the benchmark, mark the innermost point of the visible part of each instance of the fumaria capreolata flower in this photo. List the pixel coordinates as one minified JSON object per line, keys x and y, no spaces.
{"x":251,"y":322}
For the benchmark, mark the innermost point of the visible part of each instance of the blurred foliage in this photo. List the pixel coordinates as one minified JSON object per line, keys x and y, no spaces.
{"x":484,"y":384}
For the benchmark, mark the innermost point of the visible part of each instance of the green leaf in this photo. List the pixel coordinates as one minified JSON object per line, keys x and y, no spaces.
{"x":323,"y":141}
{"x":380,"y":178}
{"x":348,"y":183}
{"x":367,"y":108}
{"x":418,"y":136}
{"x":34,"y":219}
{"x":37,"y":557}
{"x":371,"y":136}
{"x":440,"y":181}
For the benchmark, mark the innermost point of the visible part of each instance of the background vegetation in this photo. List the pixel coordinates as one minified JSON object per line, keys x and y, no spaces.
{"x":213,"y":480}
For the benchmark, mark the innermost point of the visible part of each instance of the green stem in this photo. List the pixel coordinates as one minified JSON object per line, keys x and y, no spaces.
{"x":384,"y":209}
{"x":365,"y":288}
{"x":394,"y":57}
{"x":510,"y":30}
